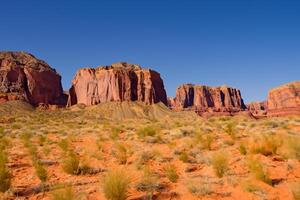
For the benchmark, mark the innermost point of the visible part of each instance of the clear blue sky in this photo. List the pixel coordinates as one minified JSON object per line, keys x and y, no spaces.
{"x":252,"y":45}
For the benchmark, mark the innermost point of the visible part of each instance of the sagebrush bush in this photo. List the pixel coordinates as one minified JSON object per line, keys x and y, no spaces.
{"x":171,"y":173}
{"x":220,"y":163}
{"x":116,"y":184}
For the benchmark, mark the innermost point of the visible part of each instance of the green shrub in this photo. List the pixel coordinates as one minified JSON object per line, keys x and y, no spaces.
{"x":171,"y":173}
{"x":220,"y":163}
{"x":116,"y":184}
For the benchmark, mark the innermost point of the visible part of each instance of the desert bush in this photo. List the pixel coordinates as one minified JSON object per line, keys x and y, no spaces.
{"x":171,"y":173}
{"x":296,"y":190}
{"x":258,"y":171}
{"x":121,"y":153}
{"x":184,"y":157}
{"x":230,"y":129}
{"x":116,"y":184}
{"x":64,"y":145}
{"x":5,"y":176}
{"x":266,"y":144}
{"x":114,"y":133}
{"x":242,"y":149}
{"x":220,"y":163}
{"x":149,"y":183}
{"x":248,"y":186}
{"x":291,"y":148}
{"x":144,"y":158}
{"x":147,"y":131}
{"x":199,"y":188}
{"x":70,"y":163}
{"x":41,"y":172}
{"x":205,"y":141}
{"x":42,"y":140}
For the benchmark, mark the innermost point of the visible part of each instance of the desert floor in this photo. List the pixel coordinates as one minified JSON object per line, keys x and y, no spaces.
{"x":114,"y":152}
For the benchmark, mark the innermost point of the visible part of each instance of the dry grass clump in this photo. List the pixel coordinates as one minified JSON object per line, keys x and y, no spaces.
{"x":230,"y":129}
{"x":204,"y":140}
{"x":149,"y":183}
{"x":147,"y":131}
{"x":259,"y":171}
{"x":266,"y":144}
{"x":5,"y":176}
{"x":64,"y":192}
{"x":122,"y":153}
{"x":219,"y":162}
{"x":116,"y":184}
{"x":199,"y":188}
{"x":291,"y":147}
{"x":171,"y":173}
{"x":70,"y":163}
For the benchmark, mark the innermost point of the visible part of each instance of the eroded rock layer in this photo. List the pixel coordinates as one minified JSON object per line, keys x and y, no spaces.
{"x":118,"y":82}
{"x":258,"y":109}
{"x":284,"y":100}
{"x":205,"y":99}
{"x":24,"y":77}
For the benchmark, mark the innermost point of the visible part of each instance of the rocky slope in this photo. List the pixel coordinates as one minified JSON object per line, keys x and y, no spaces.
{"x":258,"y":109}
{"x":24,"y":77}
{"x":205,"y":99}
{"x":118,"y":82}
{"x":284,"y":100}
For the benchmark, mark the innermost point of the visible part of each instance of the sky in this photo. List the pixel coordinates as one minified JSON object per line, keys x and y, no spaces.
{"x":253,"y":45}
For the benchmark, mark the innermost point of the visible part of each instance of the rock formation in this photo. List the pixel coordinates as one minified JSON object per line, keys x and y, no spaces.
{"x":118,"y":82}
{"x":284,"y":100}
{"x":24,"y":77}
{"x":205,"y":99}
{"x":258,"y":109}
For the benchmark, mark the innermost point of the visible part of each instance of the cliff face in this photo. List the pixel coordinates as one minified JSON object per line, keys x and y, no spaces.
{"x":118,"y":82}
{"x":208,"y":99}
{"x":284,"y":100}
{"x":24,"y":77}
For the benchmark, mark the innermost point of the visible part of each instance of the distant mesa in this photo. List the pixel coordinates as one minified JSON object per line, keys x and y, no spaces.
{"x":284,"y":100}
{"x":24,"y":77}
{"x":117,"y":83}
{"x":205,"y":99}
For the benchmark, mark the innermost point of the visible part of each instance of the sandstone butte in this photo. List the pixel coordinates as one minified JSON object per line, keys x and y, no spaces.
{"x":205,"y":99}
{"x":284,"y":100}
{"x":119,"y":82}
{"x":24,"y":77}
